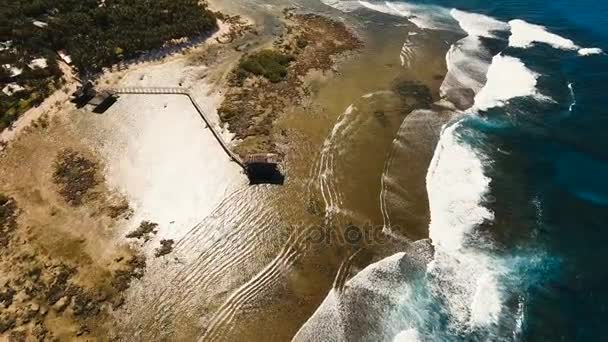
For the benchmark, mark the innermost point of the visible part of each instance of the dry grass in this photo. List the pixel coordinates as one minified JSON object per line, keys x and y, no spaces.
{"x":63,"y":261}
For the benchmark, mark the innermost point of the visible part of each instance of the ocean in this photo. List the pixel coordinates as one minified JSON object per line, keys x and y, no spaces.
{"x":517,"y":186}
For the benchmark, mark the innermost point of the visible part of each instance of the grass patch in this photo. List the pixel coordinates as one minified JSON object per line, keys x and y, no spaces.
{"x":267,"y":63}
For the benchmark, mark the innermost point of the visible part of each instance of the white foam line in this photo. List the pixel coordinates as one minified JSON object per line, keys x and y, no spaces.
{"x":478,"y":25}
{"x":525,"y":35}
{"x":571,"y":88}
{"x":330,"y":194}
{"x":590,"y":51}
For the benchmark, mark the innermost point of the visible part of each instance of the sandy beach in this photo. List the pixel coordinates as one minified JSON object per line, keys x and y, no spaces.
{"x":238,"y":265}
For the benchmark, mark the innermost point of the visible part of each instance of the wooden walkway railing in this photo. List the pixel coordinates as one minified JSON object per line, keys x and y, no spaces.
{"x":182,"y":91}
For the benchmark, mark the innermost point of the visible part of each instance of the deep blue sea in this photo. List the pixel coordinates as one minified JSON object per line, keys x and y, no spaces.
{"x":550,"y":178}
{"x":518,"y":185}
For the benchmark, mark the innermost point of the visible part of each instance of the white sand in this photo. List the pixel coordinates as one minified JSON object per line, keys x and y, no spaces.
{"x":159,"y":153}
{"x":157,"y":150}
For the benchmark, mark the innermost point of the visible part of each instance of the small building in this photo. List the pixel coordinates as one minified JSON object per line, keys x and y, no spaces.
{"x":6,"y":45}
{"x":102,"y":101}
{"x":87,"y":95}
{"x":38,"y":63}
{"x":40,"y":24}
{"x":13,"y":70}
{"x":64,"y":56}
{"x":12,"y":88}
{"x":263,"y":168}
{"x":84,"y":94}
{"x":262,"y":158}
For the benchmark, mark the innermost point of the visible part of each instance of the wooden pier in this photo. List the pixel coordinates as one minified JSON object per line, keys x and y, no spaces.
{"x":249,"y":164}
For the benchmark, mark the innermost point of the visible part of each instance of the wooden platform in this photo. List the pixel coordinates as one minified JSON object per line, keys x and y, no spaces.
{"x":262,"y":158}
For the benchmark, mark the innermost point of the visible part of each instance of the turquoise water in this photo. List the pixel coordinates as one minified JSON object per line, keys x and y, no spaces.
{"x":552,"y":185}
{"x":518,"y":186}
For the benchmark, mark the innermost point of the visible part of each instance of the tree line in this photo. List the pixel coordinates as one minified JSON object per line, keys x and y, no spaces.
{"x":95,"y":33}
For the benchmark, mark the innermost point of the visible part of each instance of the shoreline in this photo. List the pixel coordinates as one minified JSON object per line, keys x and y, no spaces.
{"x":156,"y":162}
{"x":206,"y":234}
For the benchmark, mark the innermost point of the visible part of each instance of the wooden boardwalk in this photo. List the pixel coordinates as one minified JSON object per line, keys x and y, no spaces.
{"x":182,"y":91}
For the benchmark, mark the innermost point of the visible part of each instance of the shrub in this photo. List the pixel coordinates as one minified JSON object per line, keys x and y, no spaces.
{"x":267,"y":63}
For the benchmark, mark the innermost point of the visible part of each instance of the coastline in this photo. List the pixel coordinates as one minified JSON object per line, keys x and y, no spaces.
{"x":81,"y":251}
{"x":150,"y":152}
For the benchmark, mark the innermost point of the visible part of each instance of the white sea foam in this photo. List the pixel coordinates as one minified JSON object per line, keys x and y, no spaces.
{"x":520,"y":316}
{"x":573,"y":96}
{"x":507,"y":78}
{"x":455,"y":184}
{"x":486,"y":305}
{"x":334,"y":317}
{"x":381,"y":7}
{"x":380,"y":92}
{"x":407,"y":53}
{"x":462,"y":276}
{"x":343,"y":5}
{"x":590,"y":51}
{"x":423,"y":16}
{"x":467,"y":60}
{"x":524,"y":35}
{"x":410,"y":335}
{"x":478,"y":24}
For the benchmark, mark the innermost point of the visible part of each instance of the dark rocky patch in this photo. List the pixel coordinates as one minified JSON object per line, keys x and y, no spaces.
{"x":6,"y":322}
{"x":135,"y":269}
{"x":75,"y":175}
{"x":120,"y":210}
{"x":17,"y":336}
{"x":8,"y":219}
{"x":60,"y":284}
{"x":84,"y":305}
{"x":6,"y":296}
{"x":166,"y":247}
{"x":144,"y":231}
{"x":414,"y":95}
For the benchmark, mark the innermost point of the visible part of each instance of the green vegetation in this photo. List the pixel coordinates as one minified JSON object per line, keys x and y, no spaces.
{"x":267,"y":63}
{"x":94,"y":33}
{"x":38,"y":84}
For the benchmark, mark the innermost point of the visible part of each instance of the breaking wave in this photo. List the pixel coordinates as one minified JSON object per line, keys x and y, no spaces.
{"x":524,"y":35}
{"x":507,"y":78}
{"x":466,"y":283}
